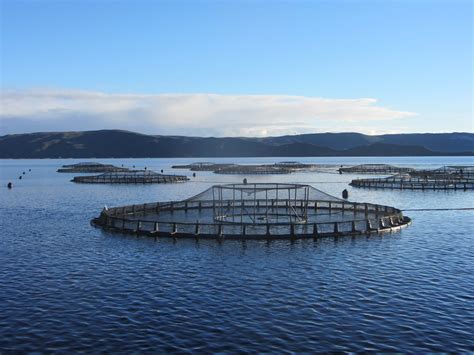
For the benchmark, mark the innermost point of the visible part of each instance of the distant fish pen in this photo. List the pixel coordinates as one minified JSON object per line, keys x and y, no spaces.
{"x":374,"y":169}
{"x":202,"y":166}
{"x":130,"y":177}
{"x":90,"y":168}
{"x":452,"y":171}
{"x":254,"y":211}
{"x":285,"y":167}
{"x":295,"y":165}
{"x":446,"y":178}
{"x":254,"y":170}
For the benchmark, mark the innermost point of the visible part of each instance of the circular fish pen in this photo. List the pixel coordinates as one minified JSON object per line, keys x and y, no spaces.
{"x":295,"y":165}
{"x":381,"y":169}
{"x":130,"y":177}
{"x":202,"y":166}
{"x":89,"y":168}
{"x":420,"y":180}
{"x":254,"y":170}
{"x":447,"y":172}
{"x":254,"y":211}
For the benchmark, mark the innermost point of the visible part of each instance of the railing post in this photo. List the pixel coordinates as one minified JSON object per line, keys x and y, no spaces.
{"x":381,"y":225}
{"x":354,"y":227}
{"x":369,"y":226}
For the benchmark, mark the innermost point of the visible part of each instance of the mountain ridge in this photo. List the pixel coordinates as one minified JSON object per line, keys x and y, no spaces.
{"x":127,"y":144}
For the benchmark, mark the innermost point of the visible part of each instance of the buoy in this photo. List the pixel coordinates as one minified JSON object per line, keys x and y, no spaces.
{"x":134,"y":166}
{"x":245,"y":181}
{"x":9,"y":185}
{"x":20,"y":177}
{"x":194,"y":174}
{"x":345,"y":193}
{"x":145,"y":167}
{"x":24,"y":173}
{"x":161,"y":170}
{"x":29,"y":169}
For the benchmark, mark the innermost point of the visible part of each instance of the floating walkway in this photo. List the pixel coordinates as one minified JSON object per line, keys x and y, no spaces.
{"x":381,"y":169}
{"x":254,"y":211}
{"x":445,"y":178}
{"x":130,"y":177}
{"x":88,"y":167}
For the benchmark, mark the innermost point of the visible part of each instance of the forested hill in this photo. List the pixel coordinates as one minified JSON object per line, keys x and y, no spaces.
{"x":124,"y":144}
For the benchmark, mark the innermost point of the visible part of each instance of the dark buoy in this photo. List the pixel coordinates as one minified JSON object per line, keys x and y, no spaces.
{"x":134,"y":166}
{"x":145,"y":167}
{"x":20,"y":177}
{"x":194,"y":174}
{"x":24,"y":173}
{"x":245,"y":181}
{"x":161,"y":170}
{"x":345,"y":193}
{"x":9,"y":185}
{"x":29,"y":169}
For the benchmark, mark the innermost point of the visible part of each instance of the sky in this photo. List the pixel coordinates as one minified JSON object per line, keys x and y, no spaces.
{"x":233,"y":68}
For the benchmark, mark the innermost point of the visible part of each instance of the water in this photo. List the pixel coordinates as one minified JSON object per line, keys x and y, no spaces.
{"x":66,"y":286}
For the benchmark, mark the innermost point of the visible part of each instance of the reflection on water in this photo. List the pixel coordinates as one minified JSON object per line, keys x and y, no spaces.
{"x":67,"y":286}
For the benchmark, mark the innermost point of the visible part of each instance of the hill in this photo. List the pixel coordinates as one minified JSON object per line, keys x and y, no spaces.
{"x":124,"y":144}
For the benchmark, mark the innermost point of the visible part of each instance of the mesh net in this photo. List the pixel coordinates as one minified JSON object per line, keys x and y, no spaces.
{"x":263,"y":191}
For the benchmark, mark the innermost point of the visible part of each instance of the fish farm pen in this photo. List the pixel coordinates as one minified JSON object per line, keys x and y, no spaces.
{"x":130,"y":177}
{"x":453,"y":171}
{"x":294,"y":165}
{"x":374,"y":169}
{"x":254,"y":211}
{"x":284,"y":167}
{"x":438,"y":179}
{"x":254,"y":170}
{"x":202,"y":166}
{"x":90,"y":168}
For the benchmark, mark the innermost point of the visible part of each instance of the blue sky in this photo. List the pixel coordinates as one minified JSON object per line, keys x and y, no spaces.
{"x":237,"y":67}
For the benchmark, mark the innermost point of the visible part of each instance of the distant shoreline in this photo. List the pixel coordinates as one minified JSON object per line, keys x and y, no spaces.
{"x":117,"y":144}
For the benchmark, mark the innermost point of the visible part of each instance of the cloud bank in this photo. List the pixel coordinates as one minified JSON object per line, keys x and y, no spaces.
{"x":190,"y":114}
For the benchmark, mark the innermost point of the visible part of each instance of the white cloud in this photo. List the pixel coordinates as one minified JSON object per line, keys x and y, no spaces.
{"x":188,"y":114}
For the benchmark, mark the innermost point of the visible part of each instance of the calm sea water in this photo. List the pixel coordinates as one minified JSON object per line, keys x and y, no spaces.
{"x":66,"y":286}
